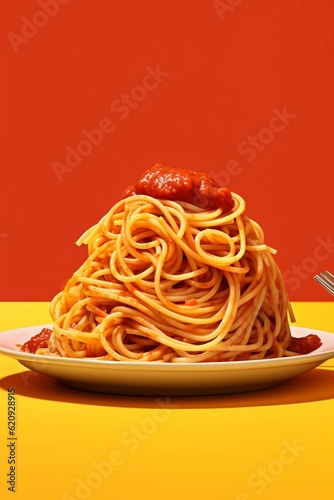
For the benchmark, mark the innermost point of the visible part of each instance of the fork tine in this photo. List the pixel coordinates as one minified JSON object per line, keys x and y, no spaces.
{"x":327,"y":278}
{"x":325,"y":281}
{"x":330,"y":275}
{"x":324,"y":285}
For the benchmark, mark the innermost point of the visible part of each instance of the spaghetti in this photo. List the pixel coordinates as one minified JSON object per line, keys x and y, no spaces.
{"x":173,"y":280}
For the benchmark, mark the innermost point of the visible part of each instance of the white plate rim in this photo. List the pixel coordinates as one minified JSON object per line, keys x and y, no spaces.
{"x":321,"y":354}
{"x":142,"y":378}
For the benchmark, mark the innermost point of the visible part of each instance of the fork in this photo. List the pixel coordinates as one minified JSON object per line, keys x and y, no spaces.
{"x":326,"y":280}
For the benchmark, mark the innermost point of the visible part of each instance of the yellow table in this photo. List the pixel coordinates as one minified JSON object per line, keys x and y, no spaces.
{"x":271,"y":444}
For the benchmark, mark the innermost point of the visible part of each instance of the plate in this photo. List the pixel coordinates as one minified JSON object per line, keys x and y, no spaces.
{"x":162,"y":379}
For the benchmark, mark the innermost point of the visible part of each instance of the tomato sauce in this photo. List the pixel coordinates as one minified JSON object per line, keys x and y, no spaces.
{"x":305,"y":345}
{"x":178,"y":184}
{"x":39,"y":341}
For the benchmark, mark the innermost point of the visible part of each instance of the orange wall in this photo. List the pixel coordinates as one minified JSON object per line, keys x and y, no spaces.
{"x":243,"y":90}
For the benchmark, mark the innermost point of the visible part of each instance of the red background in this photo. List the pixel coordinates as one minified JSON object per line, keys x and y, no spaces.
{"x":224,"y":67}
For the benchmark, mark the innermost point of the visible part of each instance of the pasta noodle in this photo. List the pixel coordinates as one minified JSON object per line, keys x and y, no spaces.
{"x":170,"y":281}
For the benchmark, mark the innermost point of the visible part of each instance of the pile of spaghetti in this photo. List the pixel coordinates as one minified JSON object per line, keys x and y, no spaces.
{"x":176,"y":272}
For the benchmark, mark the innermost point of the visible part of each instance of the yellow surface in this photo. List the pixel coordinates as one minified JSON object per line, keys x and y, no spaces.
{"x":271,"y":444}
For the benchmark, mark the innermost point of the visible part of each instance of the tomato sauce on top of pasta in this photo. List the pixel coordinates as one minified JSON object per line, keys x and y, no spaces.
{"x":170,"y":183}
